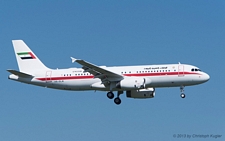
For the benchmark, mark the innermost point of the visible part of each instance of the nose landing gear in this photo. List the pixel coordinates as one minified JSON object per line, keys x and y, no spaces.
{"x":182,"y":95}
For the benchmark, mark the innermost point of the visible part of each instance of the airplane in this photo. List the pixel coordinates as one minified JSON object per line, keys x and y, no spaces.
{"x":136,"y":81}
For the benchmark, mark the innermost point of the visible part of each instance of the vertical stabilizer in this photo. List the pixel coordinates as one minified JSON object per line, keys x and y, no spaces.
{"x":27,"y":61}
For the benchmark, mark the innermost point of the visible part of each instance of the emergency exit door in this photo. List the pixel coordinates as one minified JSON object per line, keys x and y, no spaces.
{"x":48,"y":77}
{"x":180,"y":70}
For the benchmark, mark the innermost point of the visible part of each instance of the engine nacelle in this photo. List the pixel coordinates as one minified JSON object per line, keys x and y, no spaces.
{"x":142,"y":93}
{"x":133,"y":83}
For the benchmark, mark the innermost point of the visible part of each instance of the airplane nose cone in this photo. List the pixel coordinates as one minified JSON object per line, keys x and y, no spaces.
{"x":206,"y":77}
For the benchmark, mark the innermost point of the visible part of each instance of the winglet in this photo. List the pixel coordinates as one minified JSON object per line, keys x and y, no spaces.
{"x":73,"y":59}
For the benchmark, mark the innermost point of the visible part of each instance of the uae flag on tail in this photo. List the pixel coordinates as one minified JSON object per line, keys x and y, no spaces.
{"x":26,"y":55}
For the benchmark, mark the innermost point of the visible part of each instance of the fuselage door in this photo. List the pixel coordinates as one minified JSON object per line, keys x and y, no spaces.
{"x":48,"y":77}
{"x":180,"y":70}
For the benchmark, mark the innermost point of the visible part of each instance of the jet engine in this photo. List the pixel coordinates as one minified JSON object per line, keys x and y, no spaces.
{"x":133,"y":83}
{"x":142,"y":93}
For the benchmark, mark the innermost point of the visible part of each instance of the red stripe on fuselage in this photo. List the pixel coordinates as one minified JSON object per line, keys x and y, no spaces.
{"x":135,"y":74}
{"x":66,"y":78}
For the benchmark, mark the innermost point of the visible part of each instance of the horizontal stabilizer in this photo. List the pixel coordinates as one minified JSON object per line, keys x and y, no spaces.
{"x":21,"y":74}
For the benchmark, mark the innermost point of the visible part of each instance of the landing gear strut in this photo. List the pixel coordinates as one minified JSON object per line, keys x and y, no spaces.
{"x":182,"y":95}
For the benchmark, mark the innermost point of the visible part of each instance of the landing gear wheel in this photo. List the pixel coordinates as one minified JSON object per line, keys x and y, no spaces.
{"x":182,"y":95}
{"x":117,"y":100}
{"x":110,"y":95}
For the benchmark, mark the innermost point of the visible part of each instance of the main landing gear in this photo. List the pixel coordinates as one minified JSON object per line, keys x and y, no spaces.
{"x":110,"y":95}
{"x":182,"y":95}
{"x":117,"y":100}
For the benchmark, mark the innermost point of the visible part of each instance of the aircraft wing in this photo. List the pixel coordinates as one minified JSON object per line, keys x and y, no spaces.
{"x":99,"y":72}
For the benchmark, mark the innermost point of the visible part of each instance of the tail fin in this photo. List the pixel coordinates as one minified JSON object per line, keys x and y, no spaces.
{"x":27,"y":61}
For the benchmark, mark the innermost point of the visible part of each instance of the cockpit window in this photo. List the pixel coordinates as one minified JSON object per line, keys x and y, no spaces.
{"x":195,"y":69}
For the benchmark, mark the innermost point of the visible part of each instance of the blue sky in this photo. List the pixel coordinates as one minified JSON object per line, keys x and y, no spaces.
{"x":113,"y":33}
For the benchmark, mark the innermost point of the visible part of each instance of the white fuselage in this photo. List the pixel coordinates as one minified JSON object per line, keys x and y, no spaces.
{"x":168,"y":75}
{"x":135,"y":81}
